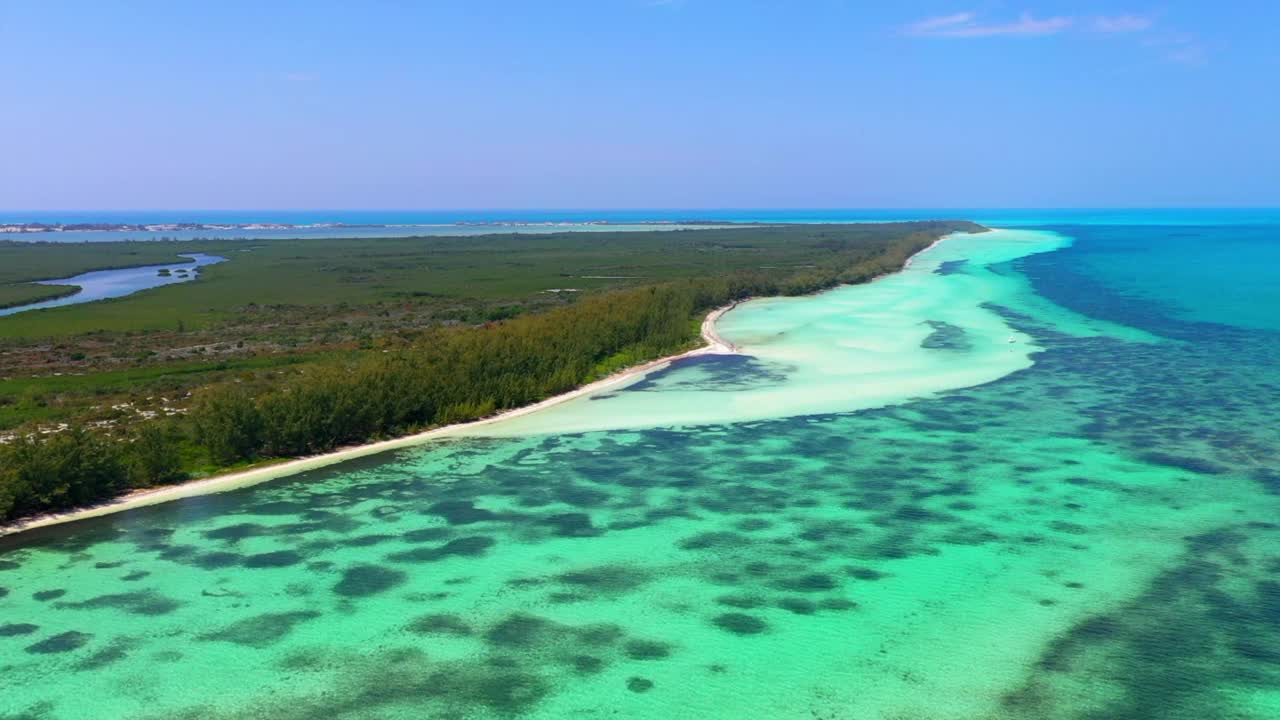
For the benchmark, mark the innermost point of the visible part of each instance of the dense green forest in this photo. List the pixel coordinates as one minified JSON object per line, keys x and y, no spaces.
{"x":448,"y":372}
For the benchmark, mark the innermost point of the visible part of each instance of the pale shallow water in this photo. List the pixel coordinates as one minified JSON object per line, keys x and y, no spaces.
{"x":1091,"y":534}
{"x":927,"y":329}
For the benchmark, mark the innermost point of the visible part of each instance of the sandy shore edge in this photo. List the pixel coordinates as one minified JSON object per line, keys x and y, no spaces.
{"x":715,"y":345}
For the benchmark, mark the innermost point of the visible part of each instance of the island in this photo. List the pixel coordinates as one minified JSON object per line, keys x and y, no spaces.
{"x":325,"y":343}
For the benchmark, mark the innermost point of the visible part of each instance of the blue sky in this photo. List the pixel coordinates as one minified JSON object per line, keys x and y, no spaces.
{"x":638,"y":103}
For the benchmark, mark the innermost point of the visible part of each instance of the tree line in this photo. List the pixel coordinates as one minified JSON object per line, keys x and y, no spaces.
{"x":448,"y":375}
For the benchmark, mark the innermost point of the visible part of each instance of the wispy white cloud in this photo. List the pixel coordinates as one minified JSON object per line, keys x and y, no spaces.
{"x":940,"y":22}
{"x":1122,"y":23}
{"x":1180,"y":48}
{"x":968,"y":25}
{"x":1187,"y":55}
{"x":1172,"y":46}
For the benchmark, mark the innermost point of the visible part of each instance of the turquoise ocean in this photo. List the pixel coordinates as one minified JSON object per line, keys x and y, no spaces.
{"x":1036,"y":475}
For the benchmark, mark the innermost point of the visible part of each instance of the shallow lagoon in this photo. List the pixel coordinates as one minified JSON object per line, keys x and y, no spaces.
{"x":1091,"y":535}
{"x":106,"y":284}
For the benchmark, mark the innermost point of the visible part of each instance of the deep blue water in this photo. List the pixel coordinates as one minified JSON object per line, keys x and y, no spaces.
{"x":1200,"y":269}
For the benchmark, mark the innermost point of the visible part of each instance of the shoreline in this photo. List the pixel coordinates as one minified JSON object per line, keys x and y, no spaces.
{"x":714,"y":345}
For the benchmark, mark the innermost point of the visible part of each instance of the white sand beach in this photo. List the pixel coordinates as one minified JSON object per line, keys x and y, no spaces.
{"x":231,"y":481}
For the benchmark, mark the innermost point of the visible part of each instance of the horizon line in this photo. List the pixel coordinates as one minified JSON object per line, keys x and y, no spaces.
{"x":720,"y":208}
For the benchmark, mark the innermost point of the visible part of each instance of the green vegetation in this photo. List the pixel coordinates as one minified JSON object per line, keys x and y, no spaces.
{"x":457,"y":278}
{"x":420,"y":374}
{"x":26,"y":293}
{"x":67,"y":469}
{"x":75,"y":396}
{"x":24,"y":262}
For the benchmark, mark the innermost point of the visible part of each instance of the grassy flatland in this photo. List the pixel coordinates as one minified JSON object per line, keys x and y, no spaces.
{"x":23,"y":262}
{"x":25,"y":293}
{"x":90,"y":395}
{"x":421,"y":271}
